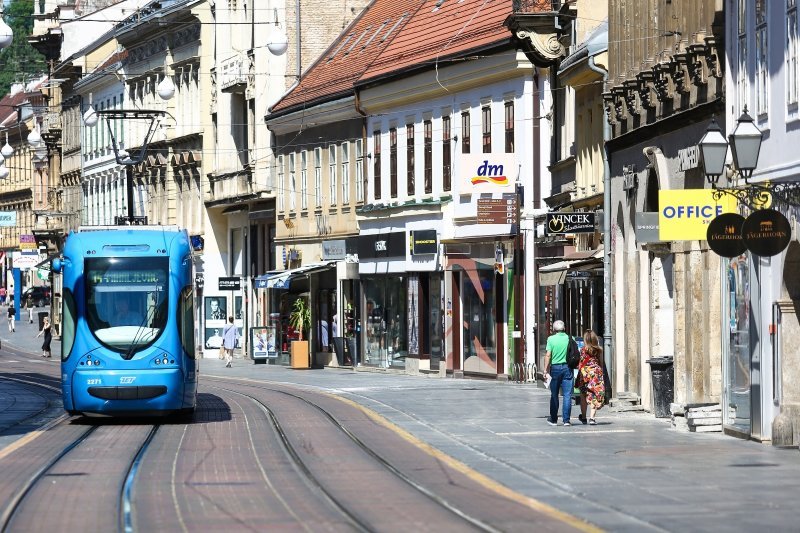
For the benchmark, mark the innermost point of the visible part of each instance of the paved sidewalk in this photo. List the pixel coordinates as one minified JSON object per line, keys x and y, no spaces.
{"x":25,"y":336}
{"x":631,"y":472}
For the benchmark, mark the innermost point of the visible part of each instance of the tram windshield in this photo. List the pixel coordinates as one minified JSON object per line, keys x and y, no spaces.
{"x":126,"y":300}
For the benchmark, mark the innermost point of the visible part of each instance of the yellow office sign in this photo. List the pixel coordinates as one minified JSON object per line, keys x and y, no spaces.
{"x":684,"y":214}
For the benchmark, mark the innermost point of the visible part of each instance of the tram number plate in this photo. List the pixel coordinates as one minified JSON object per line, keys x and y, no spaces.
{"x":93,"y":381}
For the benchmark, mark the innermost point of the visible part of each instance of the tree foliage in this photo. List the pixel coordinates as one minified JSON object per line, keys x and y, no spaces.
{"x":20,"y":61}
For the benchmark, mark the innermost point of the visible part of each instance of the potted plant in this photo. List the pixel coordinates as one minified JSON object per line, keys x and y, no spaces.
{"x":300,"y":321}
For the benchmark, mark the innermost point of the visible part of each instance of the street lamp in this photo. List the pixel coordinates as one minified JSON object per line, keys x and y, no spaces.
{"x":6,"y":35}
{"x":745,"y":145}
{"x":713,"y":149}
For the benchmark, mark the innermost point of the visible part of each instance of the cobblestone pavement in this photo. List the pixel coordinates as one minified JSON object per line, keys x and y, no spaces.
{"x":630,"y":472}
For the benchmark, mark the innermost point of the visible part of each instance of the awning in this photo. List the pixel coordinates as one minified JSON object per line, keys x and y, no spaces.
{"x":282,"y":280}
{"x":556,"y":273}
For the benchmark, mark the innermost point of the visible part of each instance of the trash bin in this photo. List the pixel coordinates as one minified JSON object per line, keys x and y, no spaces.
{"x":42,"y":315}
{"x":662,"y":373}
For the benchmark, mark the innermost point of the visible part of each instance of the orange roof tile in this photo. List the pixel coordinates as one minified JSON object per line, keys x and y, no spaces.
{"x":337,"y":69}
{"x":441,"y":29}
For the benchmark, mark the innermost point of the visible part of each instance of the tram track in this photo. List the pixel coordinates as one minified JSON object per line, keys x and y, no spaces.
{"x":49,"y":402}
{"x":353,"y":517}
{"x":81,"y":478}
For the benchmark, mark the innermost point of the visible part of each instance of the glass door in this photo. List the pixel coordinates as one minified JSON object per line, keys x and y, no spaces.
{"x":736,"y":409}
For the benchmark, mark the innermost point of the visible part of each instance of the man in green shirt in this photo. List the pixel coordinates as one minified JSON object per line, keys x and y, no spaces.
{"x":555,"y":365}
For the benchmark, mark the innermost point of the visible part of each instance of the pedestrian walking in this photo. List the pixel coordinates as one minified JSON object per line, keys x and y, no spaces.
{"x":29,"y":305}
{"x":48,"y":336}
{"x":230,"y":335}
{"x":559,"y":373}
{"x":591,"y":381}
{"x":12,"y":313}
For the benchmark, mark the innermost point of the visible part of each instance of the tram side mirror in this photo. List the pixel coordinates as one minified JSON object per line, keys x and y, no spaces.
{"x":57,"y":265}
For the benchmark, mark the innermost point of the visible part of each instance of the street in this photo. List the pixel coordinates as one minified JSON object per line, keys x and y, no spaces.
{"x":631,"y":472}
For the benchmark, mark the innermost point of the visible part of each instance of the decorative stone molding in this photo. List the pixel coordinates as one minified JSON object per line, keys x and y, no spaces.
{"x":611,"y":110}
{"x":681,"y":73}
{"x":545,"y":45}
{"x":663,"y":83}
{"x":632,"y":96}
{"x":647,"y":94}
{"x":696,"y":64}
{"x":713,"y":62}
{"x":618,"y":94}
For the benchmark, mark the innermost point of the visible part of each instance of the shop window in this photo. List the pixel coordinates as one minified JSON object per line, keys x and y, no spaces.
{"x":385,"y":319}
{"x":479,"y":335}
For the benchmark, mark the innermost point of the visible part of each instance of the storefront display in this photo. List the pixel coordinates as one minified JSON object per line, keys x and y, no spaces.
{"x":385,"y":317}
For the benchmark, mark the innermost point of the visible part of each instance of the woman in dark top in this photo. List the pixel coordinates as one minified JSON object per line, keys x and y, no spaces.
{"x":48,"y":336}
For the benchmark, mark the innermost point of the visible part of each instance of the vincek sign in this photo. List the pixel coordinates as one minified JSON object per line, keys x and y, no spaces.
{"x":560,"y":223}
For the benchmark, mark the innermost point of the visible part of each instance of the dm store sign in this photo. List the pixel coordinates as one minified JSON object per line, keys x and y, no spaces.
{"x":488,"y":173}
{"x":684,"y":214}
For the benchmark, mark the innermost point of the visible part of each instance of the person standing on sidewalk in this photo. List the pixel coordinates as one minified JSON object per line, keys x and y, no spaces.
{"x":12,"y":313}
{"x":29,"y":305}
{"x":48,"y":336}
{"x":555,"y":366}
{"x":229,"y":337}
{"x":591,"y":381}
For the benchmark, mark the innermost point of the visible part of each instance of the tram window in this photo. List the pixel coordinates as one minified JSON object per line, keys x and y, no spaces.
{"x":126,"y":300}
{"x":68,"y":324}
{"x":186,"y":321}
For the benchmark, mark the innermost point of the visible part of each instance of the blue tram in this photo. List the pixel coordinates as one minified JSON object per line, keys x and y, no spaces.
{"x":128,"y":321}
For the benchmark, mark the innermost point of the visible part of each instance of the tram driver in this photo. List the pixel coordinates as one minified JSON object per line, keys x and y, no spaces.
{"x":123,"y":315}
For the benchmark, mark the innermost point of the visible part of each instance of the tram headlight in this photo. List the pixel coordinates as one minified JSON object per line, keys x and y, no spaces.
{"x":158,"y":361}
{"x":165,"y":361}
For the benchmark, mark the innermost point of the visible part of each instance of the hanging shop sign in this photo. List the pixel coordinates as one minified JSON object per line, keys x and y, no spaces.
{"x":724,"y":235}
{"x":495,"y":172}
{"x":561,"y":223}
{"x":424,"y":242}
{"x":685,"y":214}
{"x":230,"y":284}
{"x":766,"y":232}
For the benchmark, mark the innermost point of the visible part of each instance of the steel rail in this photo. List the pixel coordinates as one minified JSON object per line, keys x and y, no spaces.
{"x":126,"y":516}
{"x":386,"y":464}
{"x":8,"y":513}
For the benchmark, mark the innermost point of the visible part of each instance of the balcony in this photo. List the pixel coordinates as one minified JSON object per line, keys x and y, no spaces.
{"x":539,"y":25}
{"x":233,"y":78}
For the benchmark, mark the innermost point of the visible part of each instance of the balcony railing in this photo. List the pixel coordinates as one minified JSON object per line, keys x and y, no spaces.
{"x":536,"y":6}
{"x":234,"y":75}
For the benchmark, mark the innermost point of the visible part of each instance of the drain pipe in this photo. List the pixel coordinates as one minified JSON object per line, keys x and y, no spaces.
{"x":608,"y":326}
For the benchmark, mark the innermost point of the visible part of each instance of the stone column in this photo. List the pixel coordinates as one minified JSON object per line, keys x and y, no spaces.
{"x":786,"y":427}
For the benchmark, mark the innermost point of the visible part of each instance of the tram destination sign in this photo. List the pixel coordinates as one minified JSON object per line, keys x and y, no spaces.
{"x":560,"y":223}
{"x":497,"y":210}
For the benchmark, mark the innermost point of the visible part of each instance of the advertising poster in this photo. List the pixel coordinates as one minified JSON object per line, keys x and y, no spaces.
{"x":264,"y":342}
